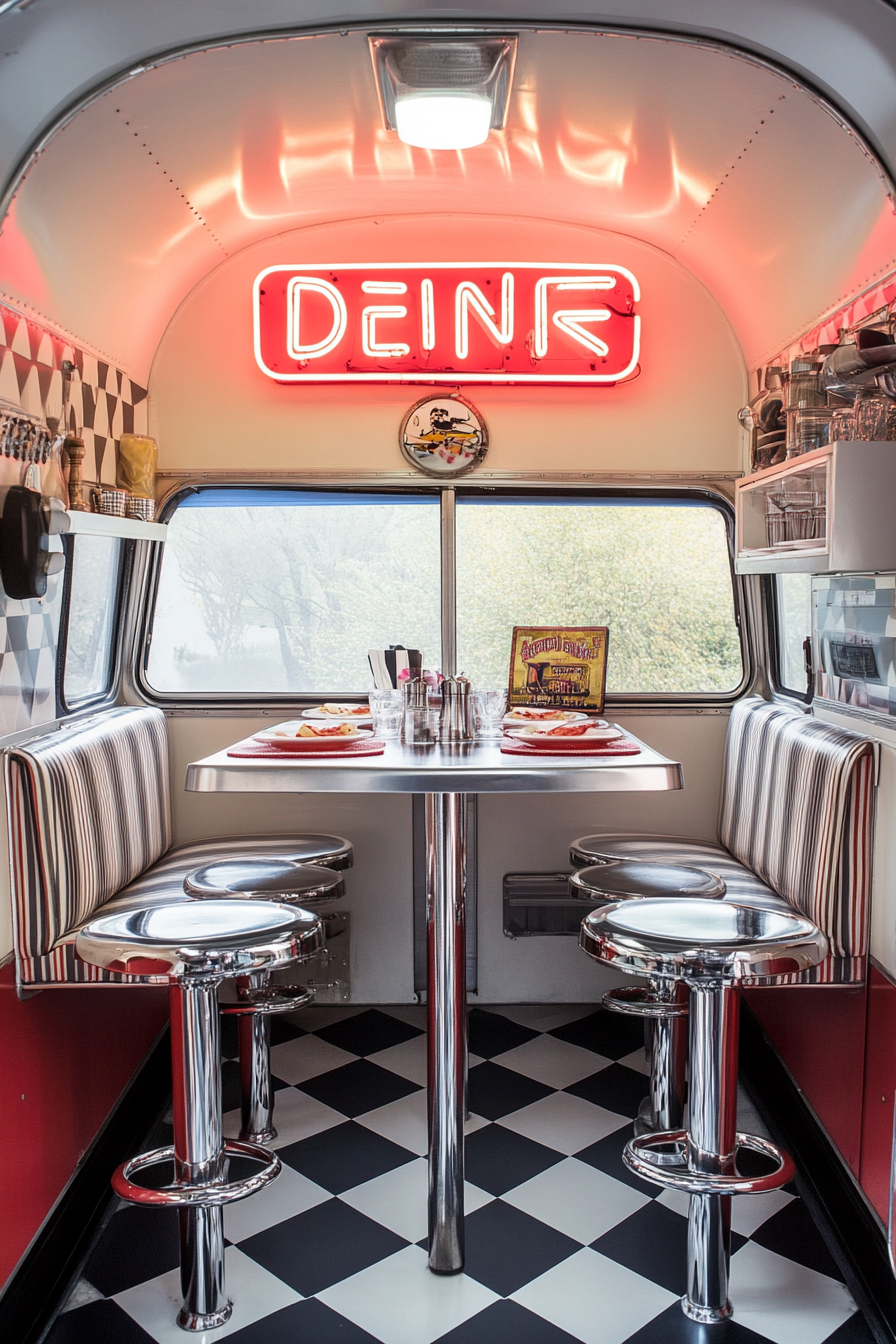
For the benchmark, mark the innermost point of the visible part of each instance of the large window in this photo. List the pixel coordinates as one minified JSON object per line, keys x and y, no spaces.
{"x":283,"y":591}
{"x":91,"y":605}
{"x":793,"y":600}
{"x":655,"y":572}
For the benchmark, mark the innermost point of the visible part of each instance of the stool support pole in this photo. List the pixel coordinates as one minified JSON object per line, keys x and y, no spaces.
{"x":446,"y":1024}
{"x":198,"y":1148}
{"x":714,"y":1017}
{"x":256,"y":1090}
{"x":666,"y":1048}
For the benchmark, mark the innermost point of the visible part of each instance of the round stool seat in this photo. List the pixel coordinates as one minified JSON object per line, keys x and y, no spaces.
{"x":265,"y":879}
{"x":635,"y":879}
{"x":328,"y":851}
{"x":217,"y":938}
{"x":592,"y":849}
{"x":701,"y":940}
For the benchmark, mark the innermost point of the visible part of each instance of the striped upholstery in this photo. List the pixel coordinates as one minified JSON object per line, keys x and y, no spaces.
{"x":160,"y":884}
{"x":88,"y":811}
{"x":795,"y":827}
{"x":796,"y":808}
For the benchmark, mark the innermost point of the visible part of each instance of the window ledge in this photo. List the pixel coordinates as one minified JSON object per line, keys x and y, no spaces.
{"x":106,"y":525}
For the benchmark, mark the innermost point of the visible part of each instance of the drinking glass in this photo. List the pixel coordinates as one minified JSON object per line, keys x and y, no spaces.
{"x":871,"y":416}
{"x":387,"y":717}
{"x":489,"y":708}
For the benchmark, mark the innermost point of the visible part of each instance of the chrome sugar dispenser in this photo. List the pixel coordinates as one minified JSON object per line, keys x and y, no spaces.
{"x":456,"y":720}
{"x":418,"y":728}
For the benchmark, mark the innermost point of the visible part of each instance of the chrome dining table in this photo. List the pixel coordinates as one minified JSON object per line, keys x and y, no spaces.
{"x":443,"y":774}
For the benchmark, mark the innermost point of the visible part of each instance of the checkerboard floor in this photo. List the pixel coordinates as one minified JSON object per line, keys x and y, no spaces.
{"x":563,"y":1243}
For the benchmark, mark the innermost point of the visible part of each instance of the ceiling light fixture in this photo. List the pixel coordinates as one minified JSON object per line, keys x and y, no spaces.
{"x":443,"y":92}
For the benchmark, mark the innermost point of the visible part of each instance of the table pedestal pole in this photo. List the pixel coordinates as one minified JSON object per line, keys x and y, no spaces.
{"x":446,"y":1024}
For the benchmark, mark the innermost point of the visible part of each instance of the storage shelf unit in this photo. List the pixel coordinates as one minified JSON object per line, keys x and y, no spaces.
{"x":105,"y":525}
{"x":828,"y":511}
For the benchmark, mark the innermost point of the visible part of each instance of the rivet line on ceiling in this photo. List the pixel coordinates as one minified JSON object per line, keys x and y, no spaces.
{"x":204,"y":222}
{"x":696,"y":220}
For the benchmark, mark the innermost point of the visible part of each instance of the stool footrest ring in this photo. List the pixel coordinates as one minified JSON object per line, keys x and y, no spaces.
{"x":637,"y":1157}
{"x":638,"y":1002}
{"x":281,"y":999}
{"x":210,"y":1194}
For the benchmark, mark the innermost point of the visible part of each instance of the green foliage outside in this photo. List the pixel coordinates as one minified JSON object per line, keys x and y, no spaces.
{"x":287,"y":599}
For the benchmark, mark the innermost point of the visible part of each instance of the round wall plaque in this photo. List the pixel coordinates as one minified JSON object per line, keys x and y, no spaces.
{"x":443,"y":436}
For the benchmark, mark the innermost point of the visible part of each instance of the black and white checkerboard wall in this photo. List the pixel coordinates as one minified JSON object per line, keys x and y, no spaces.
{"x":104,"y":404}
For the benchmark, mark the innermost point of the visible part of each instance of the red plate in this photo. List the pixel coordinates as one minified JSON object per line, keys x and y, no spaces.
{"x":336,"y":743}
{"x":569,"y":746}
{"x":357,"y":746}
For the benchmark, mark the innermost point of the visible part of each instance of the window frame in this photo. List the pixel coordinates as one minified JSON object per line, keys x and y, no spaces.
{"x":448,"y":493}
{"x":108,"y":695}
{"x":775,"y":627}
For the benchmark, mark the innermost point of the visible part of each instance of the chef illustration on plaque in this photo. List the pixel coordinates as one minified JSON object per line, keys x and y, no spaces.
{"x":444,"y":436}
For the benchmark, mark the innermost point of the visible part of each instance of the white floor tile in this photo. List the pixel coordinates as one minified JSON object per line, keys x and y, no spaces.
{"x":563,"y":1122}
{"x":82,"y":1293}
{"x":255,"y":1293}
{"x":577,"y":1200}
{"x":408,"y":1060}
{"x":637,"y":1060}
{"x":552,"y":1062}
{"x":296,"y":1116}
{"x":398,"y":1198}
{"x":306,"y":1057}
{"x":748,"y":1213}
{"x":399,"y":1301}
{"x":594,"y":1299}
{"x":404,"y":1122}
{"x":288,"y":1194}
{"x":783,"y":1301}
{"x":542,"y":1017}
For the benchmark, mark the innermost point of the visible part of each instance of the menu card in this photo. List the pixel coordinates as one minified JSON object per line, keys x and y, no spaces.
{"x":559,"y":668}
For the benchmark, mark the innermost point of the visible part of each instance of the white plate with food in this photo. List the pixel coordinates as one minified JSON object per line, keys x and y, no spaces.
{"x":293,"y":735}
{"x":335,"y":711}
{"x":576,"y":732}
{"x":523,"y":714}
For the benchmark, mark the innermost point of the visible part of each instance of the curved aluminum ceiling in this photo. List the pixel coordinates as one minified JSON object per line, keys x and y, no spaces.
{"x":718,"y":160}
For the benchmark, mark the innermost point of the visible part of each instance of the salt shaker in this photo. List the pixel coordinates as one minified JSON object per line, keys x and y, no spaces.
{"x":417,"y":729}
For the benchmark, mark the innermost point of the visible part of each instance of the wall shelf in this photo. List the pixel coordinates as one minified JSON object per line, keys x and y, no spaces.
{"x":825,"y":512}
{"x":105,"y":525}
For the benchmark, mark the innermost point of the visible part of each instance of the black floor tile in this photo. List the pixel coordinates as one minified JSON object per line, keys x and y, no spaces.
{"x":653,"y":1242}
{"x":345,"y":1156}
{"x":135,"y":1245}
{"x":610,"y":1034}
{"x":322,"y":1246}
{"x":283,"y":1030}
{"x":494,"y":1091}
{"x":606,"y":1155}
{"x":308,"y":1322}
{"x":616,"y":1089}
{"x":97,"y":1323}
{"x":497,"y":1160}
{"x":673,"y":1327}
{"x":506,"y":1248}
{"x":793,"y":1233}
{"x":505,"y":1323}
{"x":358,"y":1087}
{"x":368,"y":1032}
{"x":491,"y":1034}
{"x":854,"y":1331}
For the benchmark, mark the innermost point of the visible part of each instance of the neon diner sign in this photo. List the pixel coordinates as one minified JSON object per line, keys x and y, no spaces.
{"x":447,"y":322}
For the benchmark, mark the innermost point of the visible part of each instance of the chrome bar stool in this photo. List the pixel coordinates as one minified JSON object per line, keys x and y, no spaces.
{"x":664,"y":1005}
{"x":712,"y":946}
{"x":263,"y":878}
{"x":194,"y":947}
